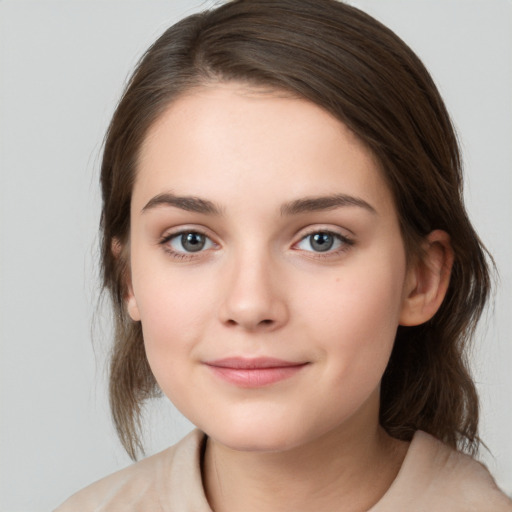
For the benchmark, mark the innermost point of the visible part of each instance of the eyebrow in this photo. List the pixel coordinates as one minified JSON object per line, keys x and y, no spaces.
{"x":188,"y":203}
{"x":322,"y":203}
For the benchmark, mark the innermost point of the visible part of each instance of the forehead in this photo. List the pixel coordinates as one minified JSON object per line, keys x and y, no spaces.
{"x":229,"y":140}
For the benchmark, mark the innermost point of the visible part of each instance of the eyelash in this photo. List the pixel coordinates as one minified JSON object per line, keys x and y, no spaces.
{"x":178,"y":255}
{"x":346,"y":243}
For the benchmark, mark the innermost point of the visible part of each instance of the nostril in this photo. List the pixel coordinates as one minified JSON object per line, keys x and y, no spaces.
{"x":261,"y":323}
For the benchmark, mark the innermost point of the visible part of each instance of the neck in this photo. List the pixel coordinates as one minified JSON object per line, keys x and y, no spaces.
{"x":337,"y":471}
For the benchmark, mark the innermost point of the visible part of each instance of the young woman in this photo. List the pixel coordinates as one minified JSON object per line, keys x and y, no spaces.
{"x":290,"y":262}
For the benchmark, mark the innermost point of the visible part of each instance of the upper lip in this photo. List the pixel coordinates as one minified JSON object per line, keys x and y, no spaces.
{"x":251,"y":363}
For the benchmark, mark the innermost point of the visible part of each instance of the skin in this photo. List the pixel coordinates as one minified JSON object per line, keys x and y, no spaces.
{"x":260,"y":288}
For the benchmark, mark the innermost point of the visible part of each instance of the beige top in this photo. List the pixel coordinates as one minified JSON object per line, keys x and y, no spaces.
{"x":433,"y":478}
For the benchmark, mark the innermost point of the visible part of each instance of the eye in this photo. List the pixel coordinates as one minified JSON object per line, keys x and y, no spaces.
{"x":323,"y":241}
{"x":188,"y":242}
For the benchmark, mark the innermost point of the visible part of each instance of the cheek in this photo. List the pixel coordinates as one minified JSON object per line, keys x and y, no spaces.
{"x":355,"y":316}
{"x":175,"y":312}
{"x":173,"y":322}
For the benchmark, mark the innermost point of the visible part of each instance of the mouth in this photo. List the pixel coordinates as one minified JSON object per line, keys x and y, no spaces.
{"x":254,"y":372}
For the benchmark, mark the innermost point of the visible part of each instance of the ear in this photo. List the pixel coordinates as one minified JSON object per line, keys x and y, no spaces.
{"x":427,"y":280}
{"x":131,"y":304}
{"x":120,"y":252}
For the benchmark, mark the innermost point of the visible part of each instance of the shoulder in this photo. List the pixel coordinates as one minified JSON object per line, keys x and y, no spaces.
{"x":460,"y":476}
{"x":435,"y":477}
{"x":154,"y":483}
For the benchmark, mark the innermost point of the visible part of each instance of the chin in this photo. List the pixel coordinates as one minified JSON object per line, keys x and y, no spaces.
{"x":258,"y":437}
{"x":255,"y":442}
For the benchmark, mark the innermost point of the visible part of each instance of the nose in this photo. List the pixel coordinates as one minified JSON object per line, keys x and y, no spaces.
{"x":254,"y":298}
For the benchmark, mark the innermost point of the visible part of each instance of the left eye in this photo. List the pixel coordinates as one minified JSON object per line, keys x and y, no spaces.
{"x":191,"y":241}
{"x":322,"y":241}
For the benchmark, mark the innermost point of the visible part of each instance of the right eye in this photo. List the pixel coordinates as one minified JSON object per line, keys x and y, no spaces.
{"x":187,"y":242}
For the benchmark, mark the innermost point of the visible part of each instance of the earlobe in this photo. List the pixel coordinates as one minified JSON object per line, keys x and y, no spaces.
{"x":131,"y":306}
{"x":427,"y":280}
{"x":119,"y":252}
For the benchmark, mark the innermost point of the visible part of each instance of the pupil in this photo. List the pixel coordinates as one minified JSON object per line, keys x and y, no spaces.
{"x":322,"y":242}
{"x":192,"y":242}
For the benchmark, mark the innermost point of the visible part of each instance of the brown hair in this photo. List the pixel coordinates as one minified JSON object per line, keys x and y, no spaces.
{"x":354,"y":67}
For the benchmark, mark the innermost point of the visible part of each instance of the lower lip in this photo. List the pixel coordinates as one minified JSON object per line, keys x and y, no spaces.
{"x":255,"y":377}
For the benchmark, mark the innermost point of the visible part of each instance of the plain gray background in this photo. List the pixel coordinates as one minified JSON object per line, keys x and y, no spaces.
{"x":62,"y":68}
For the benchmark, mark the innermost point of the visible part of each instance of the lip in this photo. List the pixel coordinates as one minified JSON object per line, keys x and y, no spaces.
{"x":254,"y":372}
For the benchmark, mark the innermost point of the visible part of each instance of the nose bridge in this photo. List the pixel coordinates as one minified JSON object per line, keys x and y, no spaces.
{"x":253,"y":296}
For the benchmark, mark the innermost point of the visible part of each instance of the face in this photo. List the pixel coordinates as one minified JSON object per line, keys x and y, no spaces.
{"x":267,"y":267}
